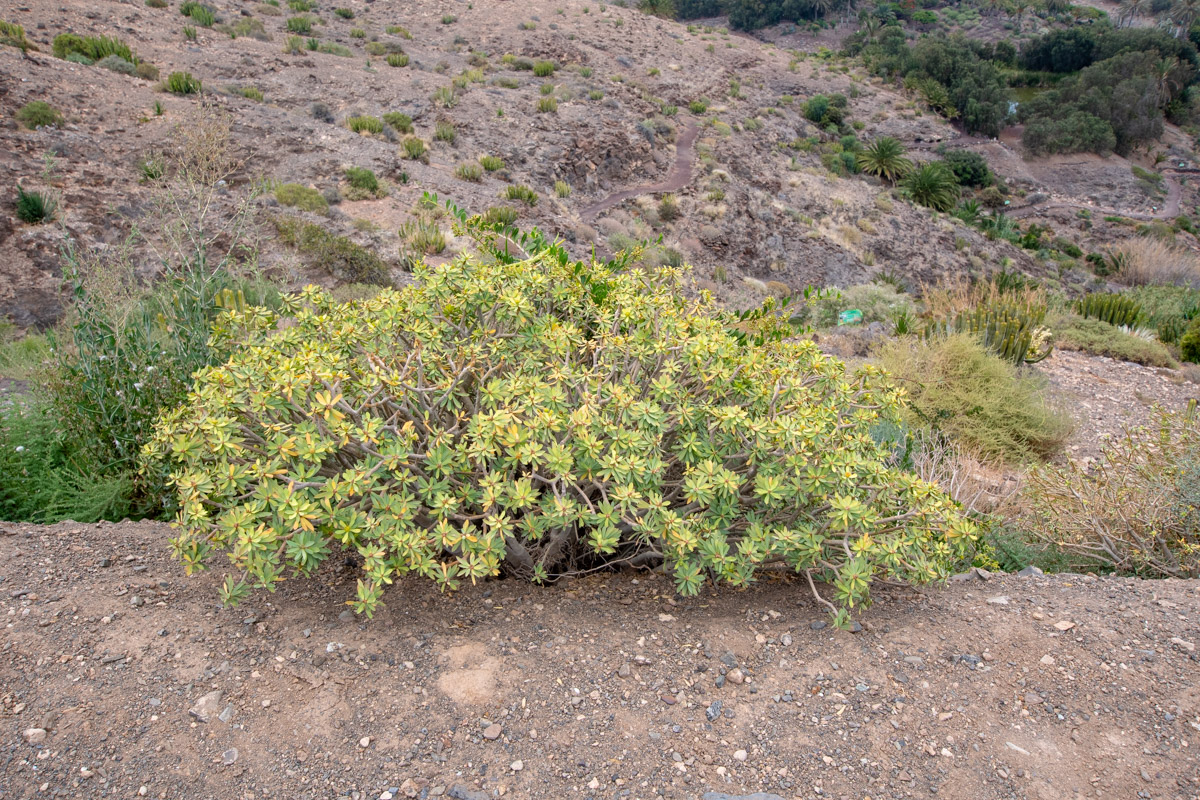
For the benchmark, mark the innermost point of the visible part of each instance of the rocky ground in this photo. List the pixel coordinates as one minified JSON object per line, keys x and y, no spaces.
{"x":123,"y":678}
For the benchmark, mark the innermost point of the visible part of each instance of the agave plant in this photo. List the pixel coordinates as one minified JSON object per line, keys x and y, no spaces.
{"x":969,"y":212}
{"x":885,"y":158}
{"x":933,"y":185}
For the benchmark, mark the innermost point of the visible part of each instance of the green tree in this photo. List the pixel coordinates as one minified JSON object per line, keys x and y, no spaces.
{"x":885,"y":158}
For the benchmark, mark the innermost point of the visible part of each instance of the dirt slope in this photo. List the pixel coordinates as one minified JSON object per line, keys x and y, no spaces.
{"x":604,"y":687}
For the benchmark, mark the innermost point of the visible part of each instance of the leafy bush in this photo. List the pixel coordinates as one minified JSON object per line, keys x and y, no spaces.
{"x":38,"y":114}
{"x":92,"y":48}
{"x":35,"y":207}
{"x":344,"y":13}
{"x":969,"y":168}
{"x":562,"y":188}
{"x":634,"y":448}
{"x":523,"y":193}
{"x":1189,"y":343}
{"x":1072,"y":332}
{"x":182,"y":83}
{"x":365,"y":124}
{"x":337,"y":255}
{"x":399,"y":30}
{"x":363,"y":184}
{"x":305,"y":198}
{"x":202,"y":15}
{"x":1135,"y":511}
{"x":1167,"y":309}
{"x":401,"y":123}
{"x":698,"y":106}
{"x":981,"y":402}
{"x":117,"y":64}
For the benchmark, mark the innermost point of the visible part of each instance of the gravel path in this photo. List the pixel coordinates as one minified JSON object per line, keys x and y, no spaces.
{"x":681,"y":176}
{"x":119,"y":677}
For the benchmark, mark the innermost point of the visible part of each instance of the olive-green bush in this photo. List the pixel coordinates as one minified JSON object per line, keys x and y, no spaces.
{"x":542,"y":417}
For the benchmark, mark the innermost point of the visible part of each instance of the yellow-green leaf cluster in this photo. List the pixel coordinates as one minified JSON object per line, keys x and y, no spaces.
{"x":539,"y":417}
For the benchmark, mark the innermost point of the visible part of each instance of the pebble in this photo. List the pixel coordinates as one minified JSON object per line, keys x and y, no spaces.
{"x":755,"y":796}
{"x":206,"y":707}
{"x":713,"y":711}
{"x":999,"y":600}
{"x":346,"y":616}
{"x":736,"y":676}
{"x":229,"y":757}
{"x":786,"y":640}
{"x":34,"y":735}
{"x":624,"y":671}
{"x":492,"y":732}
{"x":740,"y":755}
{"x":1064,"y":625}
{"x":817,"y":624}
{"x":364,"y":742}
{"x":1184,"y":644}
{"x":1029,"y":572}
{"x":1047,"y":660}
{"x":517,"y":765}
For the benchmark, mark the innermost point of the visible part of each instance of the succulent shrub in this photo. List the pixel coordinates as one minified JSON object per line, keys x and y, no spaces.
{"x":1115,"y":309}
{"x":540,"y":417}
{"x":443,"y":131}
{"x":344,"y":13}
{"x":305,"y":198}
{"x":397,"y":60}
{"x":414,"y":147}
{"x":399,"y":30}
{"x":491,"y":163}
{"x":698,"y":106}
{"x":1010,"y":329}
{"x":562,"y":188}
{"x":38,"y":114}
{"x":523,"y":193}
{"x":365,"y":124}
{"x":93,"y":48}
{"x":13,"y":35}
{"x":401,"y":123}
{"x":547,"y":105}
{"x":182,"y":83}
{"x":500,"y":216}
{"x":299,"y":25}
{"x":35,"y":207}
{"x":544,"y":69}
{"x":469,"y":172}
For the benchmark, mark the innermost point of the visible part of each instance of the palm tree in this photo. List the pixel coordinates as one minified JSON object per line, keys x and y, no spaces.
{"x":885,"y":158}
{"x":870,"y":25}
{"x":933,"y":185}
{"x":1184,"y":14}
{"x":1164,"y":79}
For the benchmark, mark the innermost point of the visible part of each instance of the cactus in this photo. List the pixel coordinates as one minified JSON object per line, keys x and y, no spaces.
{"x":1115,"y":309}
{"x":1010,"y":330}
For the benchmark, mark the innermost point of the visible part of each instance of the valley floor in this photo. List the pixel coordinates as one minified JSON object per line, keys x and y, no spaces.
{"x":121,"y":678}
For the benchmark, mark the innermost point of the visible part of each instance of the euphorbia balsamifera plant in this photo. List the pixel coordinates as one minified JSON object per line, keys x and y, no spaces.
{"x":541,"y":416}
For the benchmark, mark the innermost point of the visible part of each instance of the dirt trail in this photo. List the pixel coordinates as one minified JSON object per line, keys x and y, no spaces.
{"x":117,"y":673}
{"x":681,"y":175}
{"x":1170,"y":208}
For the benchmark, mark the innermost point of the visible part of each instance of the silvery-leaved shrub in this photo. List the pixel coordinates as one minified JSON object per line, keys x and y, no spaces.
{"x":526,"y":413}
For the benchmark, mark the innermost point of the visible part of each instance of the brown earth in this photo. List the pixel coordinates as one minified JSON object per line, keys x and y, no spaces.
{"x":119,"y":673}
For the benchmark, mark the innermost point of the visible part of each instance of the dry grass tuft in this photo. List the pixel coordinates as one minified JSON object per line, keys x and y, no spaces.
{"x":1147,"y":261}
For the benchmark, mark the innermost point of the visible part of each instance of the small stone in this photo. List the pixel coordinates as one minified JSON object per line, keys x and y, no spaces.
{"x":1183,"y":644}
{"x":817,"y":624}
{"x":364,"y":742}
{"x":1029,"y":571}
{"x":720,"y":681}
{"x":492,"y":732}
{"x":346,"y":616}
{"x":624,"y":671}
{"x":1146,"y":776}
{"x":137,"y":602}
{"x":916,"y":661}
{"x":229,"y":757}
{"x":729,"y":659}
{"x":998,"y":600}
{"x":517,"y":765}
{"x":740,"y":755}
{"x":1064,"y":625}
{"x":226,"y":713}
{"x":736,"y":676}
{"x":713,"y":712}
{"x":855,"y":627}
{"x":1047,"y":660}
{"x":34,"y":735}
{"x":786,"y":640}
{"x":668,"y":699}
{"x":206,"y":708}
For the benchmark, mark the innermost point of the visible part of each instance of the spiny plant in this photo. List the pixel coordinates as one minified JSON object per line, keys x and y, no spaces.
{"x":300,"y":25}
{"x":540,"y":416}
{"x":38,"y":114}
{"x":443,"y":131}
{"x":932,"y":185}
{"x":35,"y":207}
{"x":544,"y":69}
{"x":1115,"y":309}
{"x":182,"y":83}
{"x":13,"y":35}
{"x":422,"y":236}
{"x":523,"y":193}
{"x":499,"y":217}
{"x":1010,"y":329}
{"x":885,"y":159}
{"x":397,"y":60}
{"x":547,"y":105}
{"x":414,"y":147}
{"x":491,"y":163}
{"x":469,"y":172}
{"x":365,"y":124}
{"x":92,"y":48}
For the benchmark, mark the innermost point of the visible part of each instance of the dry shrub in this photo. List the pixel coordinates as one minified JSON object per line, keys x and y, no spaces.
{"x":960,"y":293}
{"x":1136,"y":511}
{"x":983,"y":404}
{"x":1149,"y":261}
{"x":978,"y":487}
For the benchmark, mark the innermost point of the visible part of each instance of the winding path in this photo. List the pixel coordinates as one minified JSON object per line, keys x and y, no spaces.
{"x":1170,"y":208}
{"x":681,"y":175}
